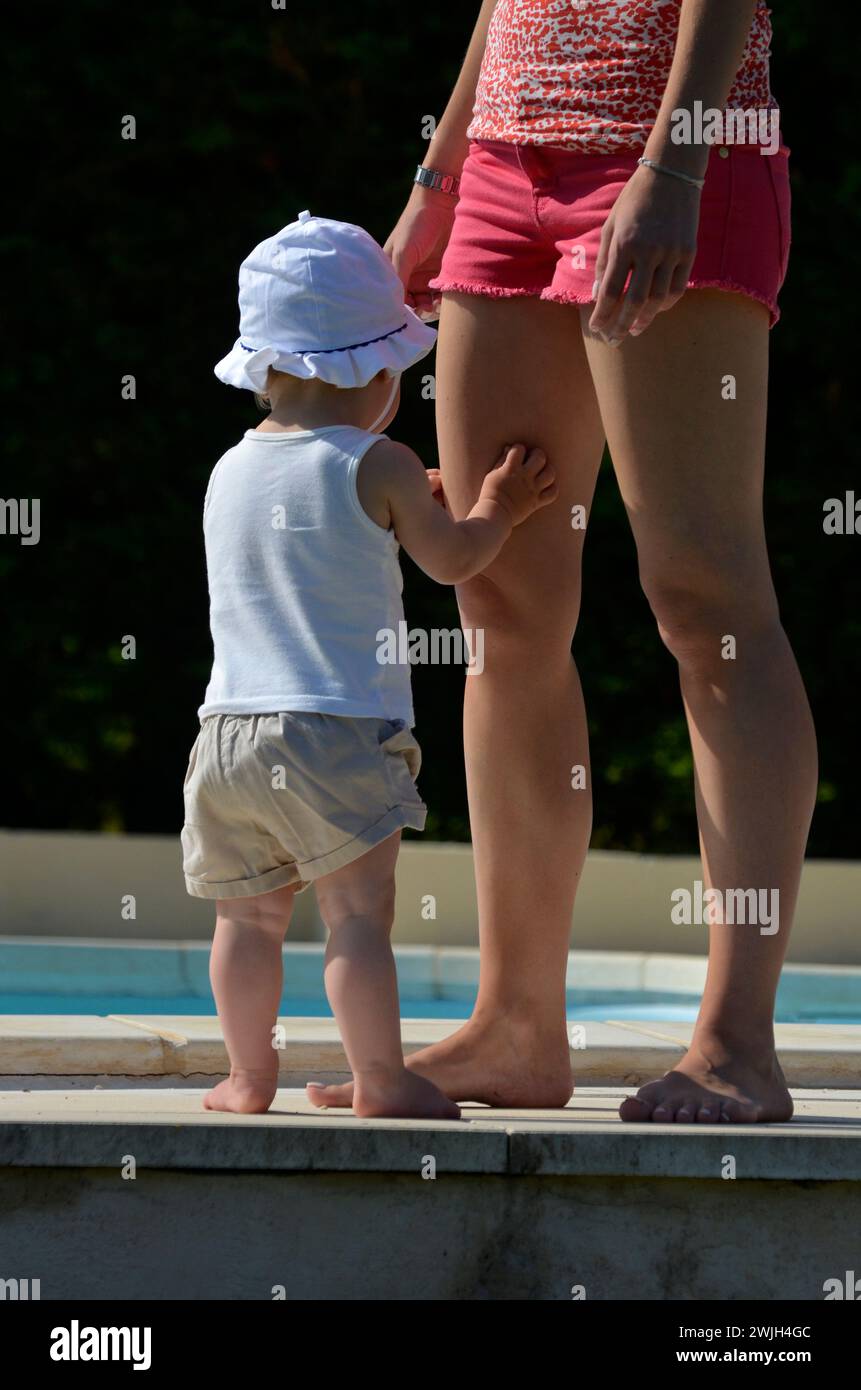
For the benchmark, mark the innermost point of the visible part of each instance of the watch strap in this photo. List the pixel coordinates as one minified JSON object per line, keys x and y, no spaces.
{"x":441,"y":183}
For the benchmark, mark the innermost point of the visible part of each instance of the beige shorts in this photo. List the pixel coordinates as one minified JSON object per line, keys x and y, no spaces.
{"x":275,"y":799}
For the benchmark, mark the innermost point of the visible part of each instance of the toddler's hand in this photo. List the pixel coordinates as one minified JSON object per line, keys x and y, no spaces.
{"x":435,"y":480}
{"x":521,"y":482}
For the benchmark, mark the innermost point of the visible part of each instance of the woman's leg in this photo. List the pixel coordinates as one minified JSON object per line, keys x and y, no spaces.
{"x":514,"y":371}
{"x":688,"y":452}
{"x":246,"y":972}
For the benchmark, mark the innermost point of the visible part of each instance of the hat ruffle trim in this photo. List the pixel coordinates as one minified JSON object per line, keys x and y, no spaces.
{"x":247,"y":367}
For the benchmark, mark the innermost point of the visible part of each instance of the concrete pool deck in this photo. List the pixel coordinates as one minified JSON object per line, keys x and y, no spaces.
{"x":168,"y":1128}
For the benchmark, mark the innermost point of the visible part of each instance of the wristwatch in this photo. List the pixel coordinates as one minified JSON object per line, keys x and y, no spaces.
{"x":441,"y":183}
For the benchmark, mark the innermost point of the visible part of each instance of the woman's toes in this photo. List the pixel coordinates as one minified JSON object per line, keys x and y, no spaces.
{"x":687,"y":1112}
{"x":737,"y":1112}
{"x":708,"y":1114}
{"x":636,"y":1109}
{"x":664,"y":1112}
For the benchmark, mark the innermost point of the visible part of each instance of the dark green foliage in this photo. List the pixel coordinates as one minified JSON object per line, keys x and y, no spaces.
{"x":121,"y":257}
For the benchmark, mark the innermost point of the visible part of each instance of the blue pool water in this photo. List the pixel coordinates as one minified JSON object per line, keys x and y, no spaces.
{"x":189,"y":1004}
{"x":68,"y":977}
{"x":582,"y":1004}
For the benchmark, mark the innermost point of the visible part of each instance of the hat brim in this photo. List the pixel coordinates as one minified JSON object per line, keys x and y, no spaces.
{"x":348,"y":367}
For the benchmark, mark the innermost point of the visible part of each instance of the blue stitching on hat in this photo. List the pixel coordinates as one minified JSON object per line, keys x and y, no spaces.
{"x":320,"y":351}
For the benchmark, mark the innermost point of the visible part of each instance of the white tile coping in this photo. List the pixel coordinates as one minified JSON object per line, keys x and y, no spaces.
{"x":602,"y":1053}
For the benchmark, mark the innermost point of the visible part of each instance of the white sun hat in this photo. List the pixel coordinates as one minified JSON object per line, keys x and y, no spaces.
{"x":321,"y":299}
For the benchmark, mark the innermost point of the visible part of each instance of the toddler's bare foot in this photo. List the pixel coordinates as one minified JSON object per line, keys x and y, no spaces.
{"x":399,"y":1096}
{"x":242,"y":1093}
{"x":715,"y":1082}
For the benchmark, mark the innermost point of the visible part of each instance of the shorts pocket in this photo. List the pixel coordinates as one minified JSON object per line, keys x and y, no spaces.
{"x":192,"y":851}
{"x":778,"y":172}
{"x":402,"y":757}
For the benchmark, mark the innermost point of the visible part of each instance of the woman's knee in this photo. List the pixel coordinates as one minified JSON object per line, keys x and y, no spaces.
{"x":518,"y":616}
{"x":703,"y":613}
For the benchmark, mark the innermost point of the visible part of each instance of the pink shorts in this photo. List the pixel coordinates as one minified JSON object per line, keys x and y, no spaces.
{"x":529,"y":221}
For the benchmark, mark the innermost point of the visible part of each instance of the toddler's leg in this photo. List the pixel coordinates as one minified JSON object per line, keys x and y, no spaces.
{"x":357,"y":904}
{"x":246,"y":972}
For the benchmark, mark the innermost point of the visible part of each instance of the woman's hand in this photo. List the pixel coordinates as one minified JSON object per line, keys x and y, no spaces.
{"x":651,"y":236}
{"x":416,"y":245}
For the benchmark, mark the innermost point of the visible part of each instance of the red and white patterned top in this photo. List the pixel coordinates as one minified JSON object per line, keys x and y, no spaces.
{"x":590,"y":74}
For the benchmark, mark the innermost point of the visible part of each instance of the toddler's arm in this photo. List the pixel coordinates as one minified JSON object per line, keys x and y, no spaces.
{"x":453,"y":551}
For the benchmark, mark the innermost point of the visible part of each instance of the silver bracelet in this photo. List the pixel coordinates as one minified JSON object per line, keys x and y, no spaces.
{"x":673,"y":173}
{"x":441,"y":183}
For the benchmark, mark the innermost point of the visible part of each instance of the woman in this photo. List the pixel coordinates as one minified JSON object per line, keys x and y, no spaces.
{"x":560,"y":253}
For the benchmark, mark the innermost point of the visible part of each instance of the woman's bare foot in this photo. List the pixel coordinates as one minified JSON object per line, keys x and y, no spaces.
{"x":715,"y":1081}
{"x":245,"y":1095}
{"x":401,"y":1096}
{"x":499,"y":1062}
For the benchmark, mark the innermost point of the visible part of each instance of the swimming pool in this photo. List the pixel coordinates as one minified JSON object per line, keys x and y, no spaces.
{"x":61,"y":976}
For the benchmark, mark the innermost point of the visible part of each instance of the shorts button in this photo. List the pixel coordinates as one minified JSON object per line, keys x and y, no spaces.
{"x":723,"y":152}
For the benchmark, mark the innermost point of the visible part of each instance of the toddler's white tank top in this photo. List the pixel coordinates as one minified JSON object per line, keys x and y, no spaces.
{"x":303,"y":584}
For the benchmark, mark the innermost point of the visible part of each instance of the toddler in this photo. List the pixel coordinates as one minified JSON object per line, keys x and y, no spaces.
{"x":305,"y":764}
